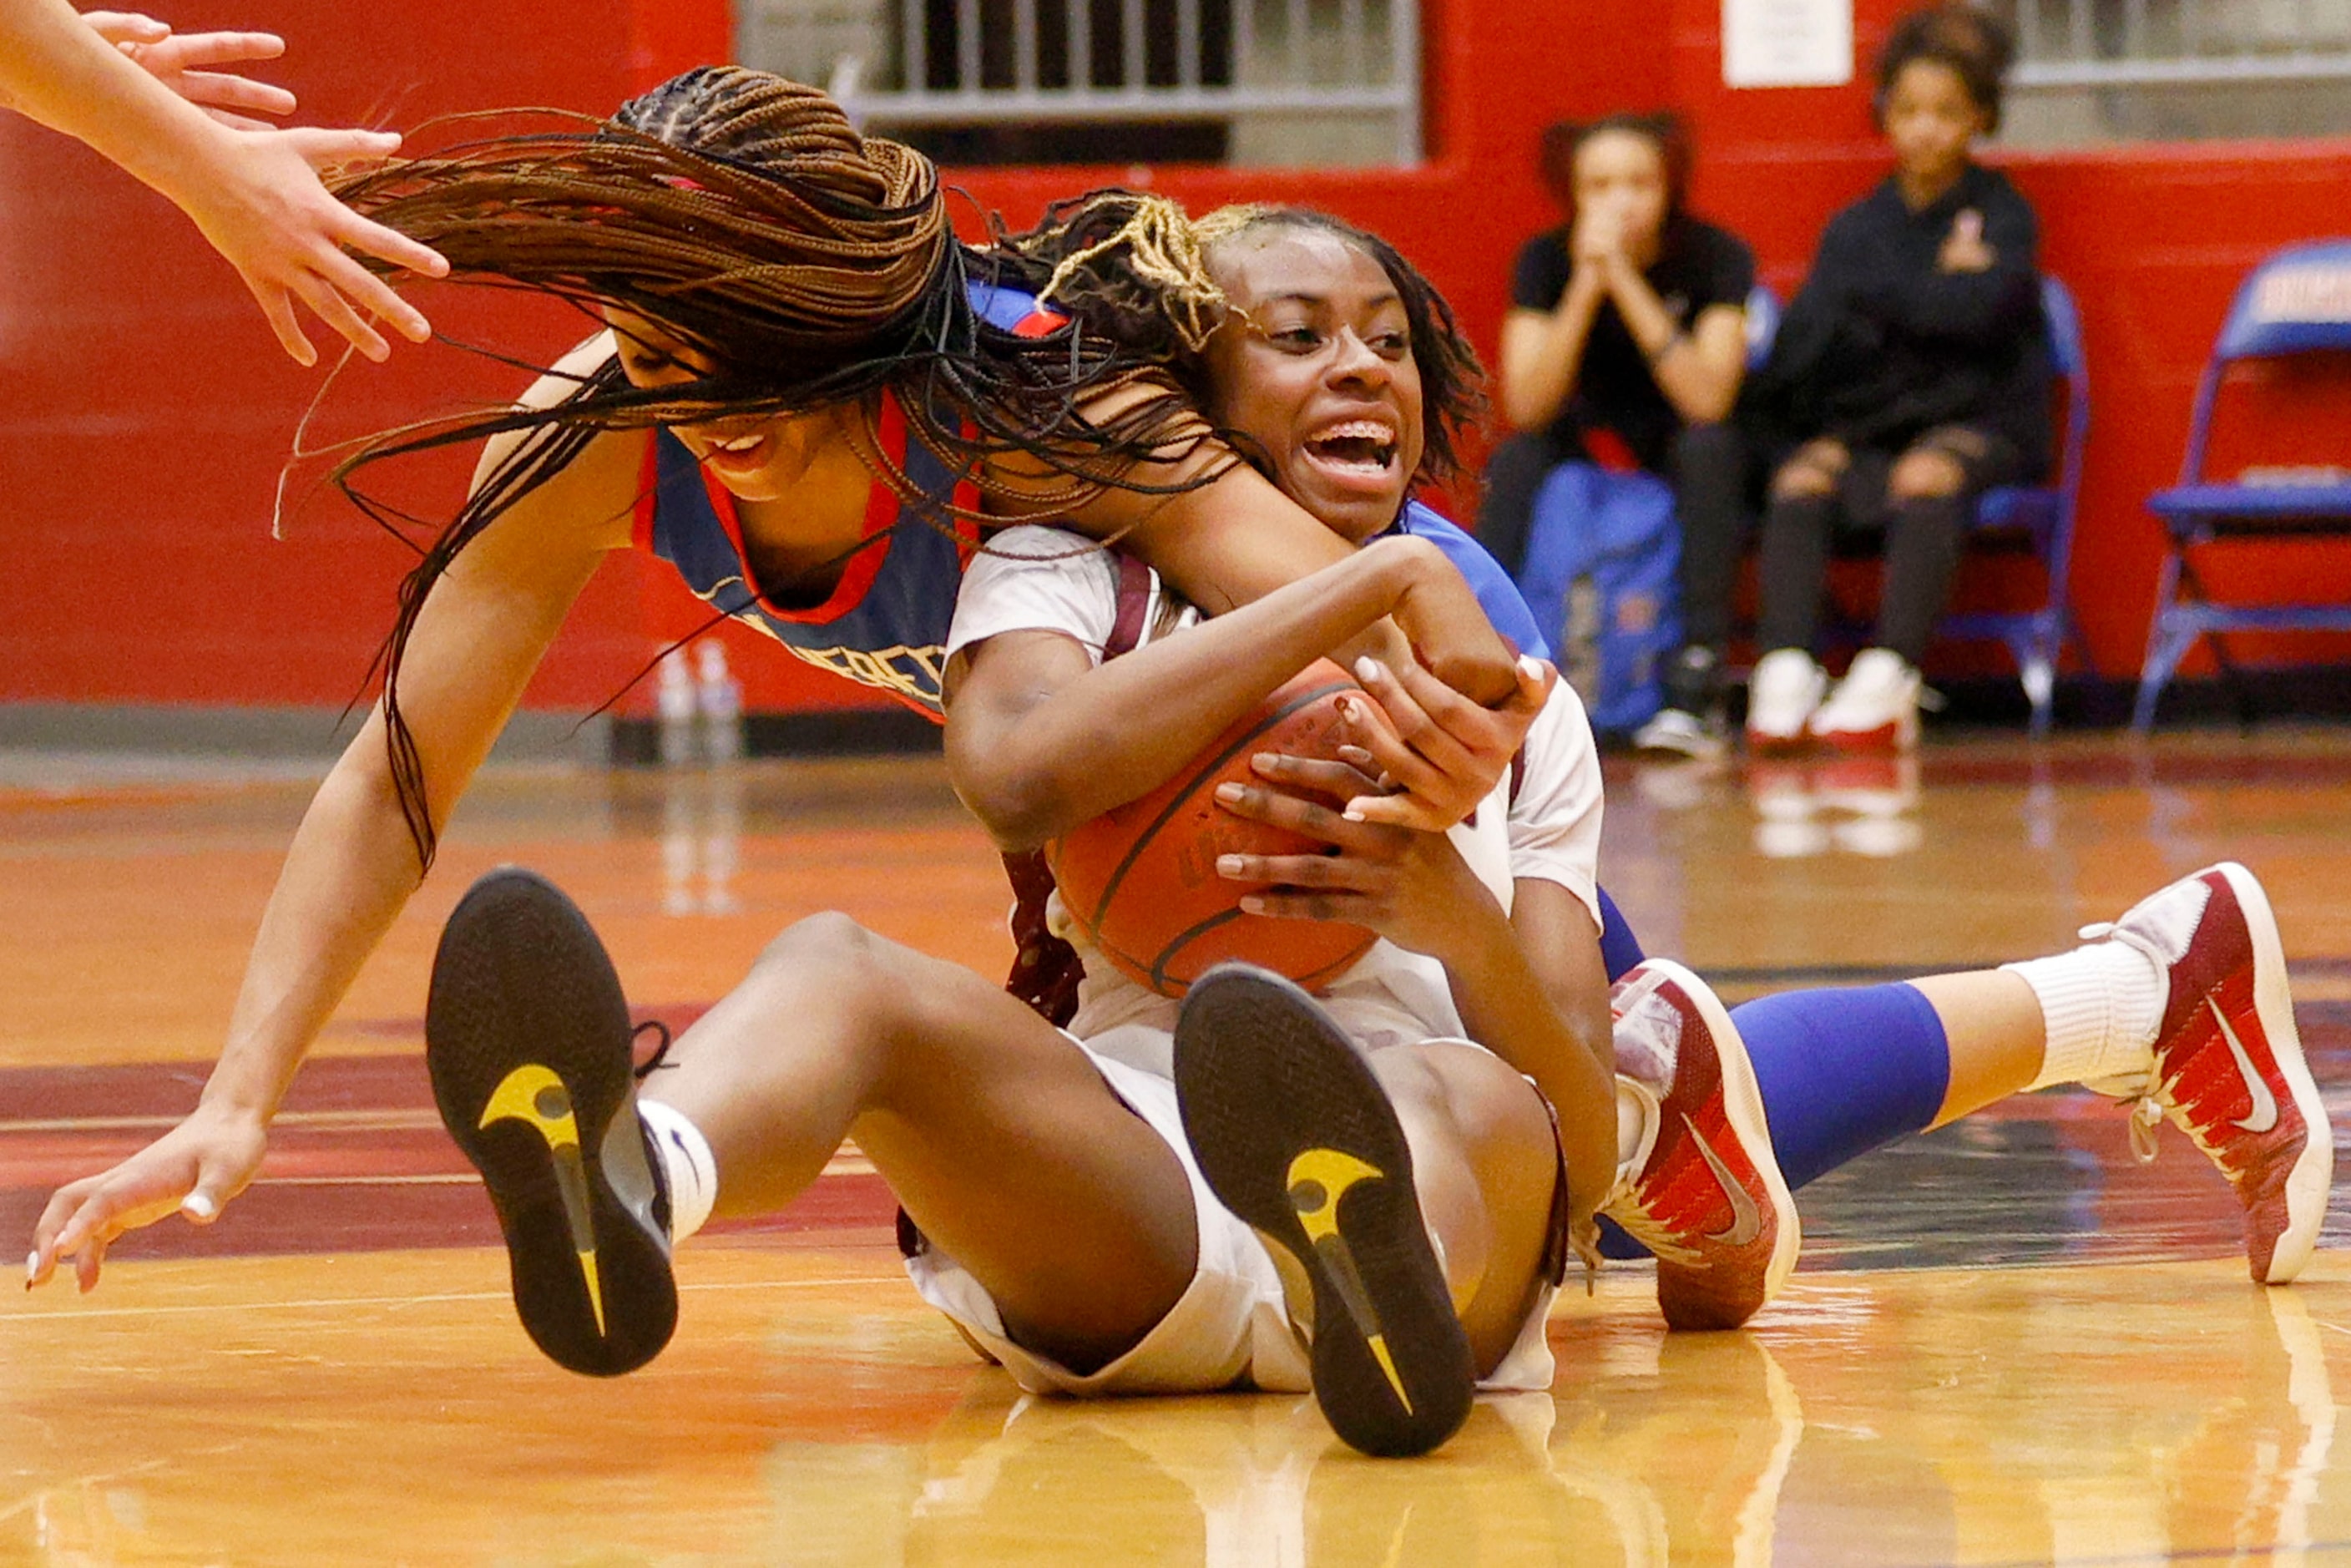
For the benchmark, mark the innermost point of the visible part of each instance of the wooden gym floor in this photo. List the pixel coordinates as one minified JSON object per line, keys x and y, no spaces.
{"x":2007,"y":1344}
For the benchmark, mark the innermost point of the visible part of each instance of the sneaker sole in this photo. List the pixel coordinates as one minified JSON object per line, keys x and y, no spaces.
{"x":526,"y":1035}
{"x":1742,"y":1104}
{"x":2307,"y":1183}
{"x":1266,"y":1084}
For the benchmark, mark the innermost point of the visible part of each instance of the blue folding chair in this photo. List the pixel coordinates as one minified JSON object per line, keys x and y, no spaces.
{"x":2043,"y":516}
{"x":2297,"y":301}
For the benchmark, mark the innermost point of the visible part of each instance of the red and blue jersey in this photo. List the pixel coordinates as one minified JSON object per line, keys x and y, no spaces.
{"x":886,"y":624}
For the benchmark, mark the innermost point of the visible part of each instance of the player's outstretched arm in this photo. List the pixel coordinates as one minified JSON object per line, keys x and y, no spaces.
{"x":1038,"y":741}
{"x":252,"y":192}
{"x":1237,"y":539}
{"x":353,"y":862}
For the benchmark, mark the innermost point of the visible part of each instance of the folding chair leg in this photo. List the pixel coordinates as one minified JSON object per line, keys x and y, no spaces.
{"x":2241,"y":696}
{"x":2167,"y":645}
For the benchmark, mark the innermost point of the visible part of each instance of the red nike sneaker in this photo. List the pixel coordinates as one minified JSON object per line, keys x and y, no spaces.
{"x":1707,"y":1196}
{"x":2229,"y":1068}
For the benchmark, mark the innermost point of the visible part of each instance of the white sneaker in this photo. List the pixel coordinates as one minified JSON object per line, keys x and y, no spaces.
{"x":1874,"y":708}
{"x":1780,"y":697}
{"x":1676,"y":732}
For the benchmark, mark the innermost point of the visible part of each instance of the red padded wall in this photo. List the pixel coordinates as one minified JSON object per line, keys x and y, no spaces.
{"x":148,"y":412}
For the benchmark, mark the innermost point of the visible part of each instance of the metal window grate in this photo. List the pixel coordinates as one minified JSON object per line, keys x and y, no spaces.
{"x":901,"y":65}
{"x":2071,"y":45}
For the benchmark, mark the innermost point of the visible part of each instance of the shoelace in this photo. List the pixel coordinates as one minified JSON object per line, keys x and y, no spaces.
{"x":661,"y":1052}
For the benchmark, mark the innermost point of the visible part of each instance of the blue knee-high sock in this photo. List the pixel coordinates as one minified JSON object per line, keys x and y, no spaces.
{"x":1619,"y":948}
{"x":1843,"y":1071}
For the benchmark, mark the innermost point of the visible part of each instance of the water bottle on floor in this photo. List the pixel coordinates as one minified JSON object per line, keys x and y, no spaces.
{"x":718,"y":696}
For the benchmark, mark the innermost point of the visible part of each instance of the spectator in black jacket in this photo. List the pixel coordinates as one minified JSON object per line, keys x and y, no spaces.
{"x":1910,"y":375}
{"x":1624,"y":347}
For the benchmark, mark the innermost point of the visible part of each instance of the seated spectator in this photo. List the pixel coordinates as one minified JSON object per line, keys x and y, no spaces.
{"x":1910,"y":375}
{"x":1624,"y":347}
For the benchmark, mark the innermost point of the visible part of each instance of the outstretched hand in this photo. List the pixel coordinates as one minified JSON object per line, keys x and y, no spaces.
{"x":1437,"y":753}
{"x":253,"y":189}
{"x":194,"y":1169}
{"x":258,"y":197}
{"x":181,"y":61}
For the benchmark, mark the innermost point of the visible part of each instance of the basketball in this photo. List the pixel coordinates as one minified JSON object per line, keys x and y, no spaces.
{"x":1141,"y":880}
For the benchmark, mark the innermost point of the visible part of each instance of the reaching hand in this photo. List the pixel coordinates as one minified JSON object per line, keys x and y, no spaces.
{"x":193,"y":1169}
{"x":256,"y":196}
{"x":1441,"y":753}
{"x":177,"y":60}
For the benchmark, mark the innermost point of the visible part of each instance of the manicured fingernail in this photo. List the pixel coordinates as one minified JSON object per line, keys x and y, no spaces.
{"x":1368,"y":669}
{"x":1530,"y":667}
{"x":1228,"y":791}
{"x":1228,"y":865}
{"x":199,"y":1206}
{"x":32,"y":1267}
{"x":1353,"y":815}
{"x":1253,"y":906}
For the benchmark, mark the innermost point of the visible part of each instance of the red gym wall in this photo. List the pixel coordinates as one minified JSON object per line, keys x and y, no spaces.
{"x":149,"y":412}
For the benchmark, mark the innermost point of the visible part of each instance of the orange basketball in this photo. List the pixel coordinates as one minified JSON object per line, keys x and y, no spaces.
{"x":1141,"y":880}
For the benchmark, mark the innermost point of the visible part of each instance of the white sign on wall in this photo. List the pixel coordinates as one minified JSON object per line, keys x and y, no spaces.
{"x":1787,"y":43}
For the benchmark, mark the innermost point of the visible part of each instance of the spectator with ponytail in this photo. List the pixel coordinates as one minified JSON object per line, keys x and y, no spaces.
{"x":1624,"y":347}
{"x":1910,"y":375}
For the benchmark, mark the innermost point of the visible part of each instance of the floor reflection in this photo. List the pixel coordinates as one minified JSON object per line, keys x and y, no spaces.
{"x":1899,"y":1419}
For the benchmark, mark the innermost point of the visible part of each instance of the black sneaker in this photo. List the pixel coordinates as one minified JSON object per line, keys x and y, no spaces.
{"x":528,"y":1037}
{"x":1297,"y":1137}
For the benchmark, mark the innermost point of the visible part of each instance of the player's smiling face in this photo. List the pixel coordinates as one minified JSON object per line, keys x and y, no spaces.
{"x":1316,"y":365}
{"x":757,"y":457}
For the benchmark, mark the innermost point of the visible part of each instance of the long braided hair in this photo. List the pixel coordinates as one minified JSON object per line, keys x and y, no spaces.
{"x":814,"y":267}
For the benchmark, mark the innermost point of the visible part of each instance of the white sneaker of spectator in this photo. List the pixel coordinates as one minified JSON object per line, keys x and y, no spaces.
{"x":1874,"y":708}
{"x":1780,"y":697}
{"x":1680,"y":733}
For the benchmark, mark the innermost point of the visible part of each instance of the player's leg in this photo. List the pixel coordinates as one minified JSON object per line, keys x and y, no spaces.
{"x":1485,"y":1159}
{"x":1620,"y":946}
{"x":995,"y":1129}
{"x":1298,"y":1137}
{"x":2181,"y":1006}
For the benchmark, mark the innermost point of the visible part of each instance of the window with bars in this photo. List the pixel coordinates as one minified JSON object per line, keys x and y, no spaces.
{"x":1262,"y":82}
{"x":2107,"y":70}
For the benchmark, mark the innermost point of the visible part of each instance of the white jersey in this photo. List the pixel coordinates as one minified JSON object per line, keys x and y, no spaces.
{"x":1547,"y":828}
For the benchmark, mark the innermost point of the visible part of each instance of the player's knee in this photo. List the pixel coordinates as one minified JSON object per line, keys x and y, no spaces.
{"x":1490,"y":1100}
{"x":828,"y":950}
{"x":1802,"y":481}
{"x":1925,"y":476}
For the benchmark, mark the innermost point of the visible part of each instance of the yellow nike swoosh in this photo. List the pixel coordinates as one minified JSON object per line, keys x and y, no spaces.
{"x":1317,"y":1180}
{"x":534,"y":1095}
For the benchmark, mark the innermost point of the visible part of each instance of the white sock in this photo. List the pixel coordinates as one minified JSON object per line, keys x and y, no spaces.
{"x":686,"y":1161}
{"x":1637,"y":1114}
{"x":2100,"y":1007}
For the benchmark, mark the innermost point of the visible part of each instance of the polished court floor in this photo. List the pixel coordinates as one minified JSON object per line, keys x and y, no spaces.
{"x":2007,"y":1342}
